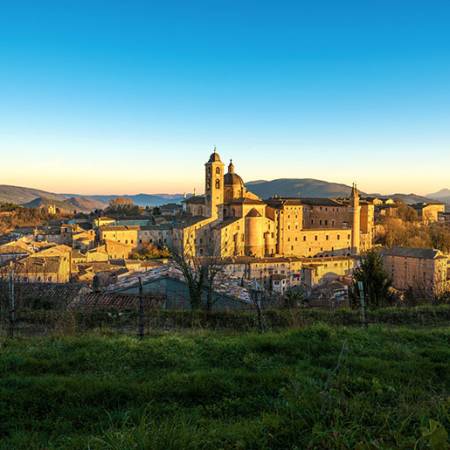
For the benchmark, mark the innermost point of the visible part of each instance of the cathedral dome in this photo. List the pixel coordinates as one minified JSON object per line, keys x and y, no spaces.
{"x":231,"y":178}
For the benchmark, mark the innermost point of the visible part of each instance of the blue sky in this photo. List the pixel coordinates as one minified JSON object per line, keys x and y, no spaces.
{"x":131,"y":96}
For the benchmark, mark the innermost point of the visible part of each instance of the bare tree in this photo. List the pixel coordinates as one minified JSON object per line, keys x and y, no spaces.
{"x":200,"y":272}
{"x":194,"y":275}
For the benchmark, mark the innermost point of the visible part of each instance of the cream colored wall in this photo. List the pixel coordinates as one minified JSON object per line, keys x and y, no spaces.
{"x":232,"y":239}
{"x":326,"y":216}
{"x":196,"y":209}
{"x":155,"y":237}
{"x":417,"y":273}
{"x":127,"y":237}
{"x":118,"y":250}
{"x":328,"y":270}
{"x":430,"y":213}
{"x":318,"y":242}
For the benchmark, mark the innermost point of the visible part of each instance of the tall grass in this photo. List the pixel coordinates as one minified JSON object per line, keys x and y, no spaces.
{"x":318,"y":387}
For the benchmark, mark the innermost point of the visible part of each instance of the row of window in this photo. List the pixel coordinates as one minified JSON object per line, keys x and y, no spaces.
{"x":316,"y":238}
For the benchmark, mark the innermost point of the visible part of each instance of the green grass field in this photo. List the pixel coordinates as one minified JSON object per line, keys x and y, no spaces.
{"x":318,"y":387}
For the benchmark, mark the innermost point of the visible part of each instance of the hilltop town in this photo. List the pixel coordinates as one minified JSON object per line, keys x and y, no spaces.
{"x":277,"y":244}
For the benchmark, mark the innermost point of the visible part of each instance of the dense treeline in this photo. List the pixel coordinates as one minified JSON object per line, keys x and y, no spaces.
{"x":17,"y":216}
{"x":406,"y":230}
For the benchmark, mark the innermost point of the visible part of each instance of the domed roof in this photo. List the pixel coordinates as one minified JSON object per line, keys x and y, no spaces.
{"x":231,"y":178}
{"x":214,"y":156}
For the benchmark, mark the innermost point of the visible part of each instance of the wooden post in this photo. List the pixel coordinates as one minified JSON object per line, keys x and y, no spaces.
{"x":141,"y":310}
{"x":362,"y":300}
{"x":12,"y":304}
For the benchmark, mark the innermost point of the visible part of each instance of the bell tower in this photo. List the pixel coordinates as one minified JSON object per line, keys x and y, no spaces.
{"x":214,"y":186}
{"x":356,"y":220}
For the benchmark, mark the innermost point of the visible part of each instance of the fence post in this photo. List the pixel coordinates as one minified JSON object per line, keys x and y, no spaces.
{"x":12,"y":305}
{"x":141,"y":310}
{"x":362,"y":300}
{"x":255,"y":295}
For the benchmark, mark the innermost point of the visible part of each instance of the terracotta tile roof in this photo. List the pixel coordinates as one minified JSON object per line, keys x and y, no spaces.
{"x":247,"y":201}
{"x":196,"y":200}
{"x":112,"y":301}
{"x":120,"y":228}
{"x":406,"y":252}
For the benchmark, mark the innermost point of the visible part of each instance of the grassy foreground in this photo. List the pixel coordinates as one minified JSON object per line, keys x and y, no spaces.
{"x":318,"y":387}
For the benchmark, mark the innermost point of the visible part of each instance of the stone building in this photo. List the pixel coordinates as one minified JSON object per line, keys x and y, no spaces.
{"x":231,"y":221}
{"x":429,"y":212}
{"x":423,"y":270}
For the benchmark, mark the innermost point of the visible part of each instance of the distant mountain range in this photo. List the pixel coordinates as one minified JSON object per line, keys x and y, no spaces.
{"x":140,"y":199}
{"x":34,"y":198}
{"x":298,"y":187}
{"x":307,"y":187}
{"x":442,"y":196}
{"x":409,"y":199}
{"x":284,"y":187}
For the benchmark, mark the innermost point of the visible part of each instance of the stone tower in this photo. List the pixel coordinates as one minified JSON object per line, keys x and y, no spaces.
{"x":214,"y":170}
{"x":356,"y":220}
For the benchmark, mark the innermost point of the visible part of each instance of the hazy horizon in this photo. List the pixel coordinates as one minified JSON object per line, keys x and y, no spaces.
{"x":197,"y":191}
{"x":131,"y":98}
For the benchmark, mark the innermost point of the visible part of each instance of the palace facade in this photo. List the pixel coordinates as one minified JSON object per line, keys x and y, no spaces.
{"x":229,"y":221}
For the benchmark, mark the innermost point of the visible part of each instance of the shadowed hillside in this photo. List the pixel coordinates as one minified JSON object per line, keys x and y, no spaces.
{"x":21,"y":195}
{"x":79,"y":204}
{"x":298,"y":187}
{"x":442,"y":196}
{"x":30,"y":197}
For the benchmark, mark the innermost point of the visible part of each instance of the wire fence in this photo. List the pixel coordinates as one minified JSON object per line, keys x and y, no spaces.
{"x":40,"y":309}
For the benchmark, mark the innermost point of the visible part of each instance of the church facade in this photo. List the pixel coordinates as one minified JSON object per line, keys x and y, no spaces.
{"x":230,"y":221}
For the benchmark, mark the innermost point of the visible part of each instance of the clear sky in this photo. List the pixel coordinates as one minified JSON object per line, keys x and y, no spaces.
{"x":131,"y":96}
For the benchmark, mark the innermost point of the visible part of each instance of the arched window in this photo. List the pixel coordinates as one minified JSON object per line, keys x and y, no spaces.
{"x":218,"y":170}
{"x":217,"y":184}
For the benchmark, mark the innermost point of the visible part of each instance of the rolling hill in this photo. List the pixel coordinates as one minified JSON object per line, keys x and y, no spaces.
{"x":442,"y":196}
{"x":21,"y":195}
{"x":284,"y":187}
{"x":79,"y":204}
{"x":34,"y":197}
{"x":298,"y":187}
